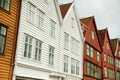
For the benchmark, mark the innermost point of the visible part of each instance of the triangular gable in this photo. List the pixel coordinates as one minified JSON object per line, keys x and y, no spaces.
{"x":64,"y":9}
{"x":102,"y":38}
{"x":101,"y":35}
{"x":114,"y":44}
{"x":91,"y":26}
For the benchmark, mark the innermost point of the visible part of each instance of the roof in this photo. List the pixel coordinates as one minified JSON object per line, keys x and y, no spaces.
{"x":114,"y":44}
{"x":87,"y":20}
{"x":101,"y":35}
{"x":64,"y":9}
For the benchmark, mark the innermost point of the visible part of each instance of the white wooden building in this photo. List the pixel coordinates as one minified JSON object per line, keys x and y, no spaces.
{"x":49,"y":46}
{"x":37,"y":54}
{"x":71,"y":42}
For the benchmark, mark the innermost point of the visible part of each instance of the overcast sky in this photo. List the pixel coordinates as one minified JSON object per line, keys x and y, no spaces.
{"x":106,"y":13}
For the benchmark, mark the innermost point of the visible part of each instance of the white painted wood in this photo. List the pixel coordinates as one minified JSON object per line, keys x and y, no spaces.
{"x":31,"y":69}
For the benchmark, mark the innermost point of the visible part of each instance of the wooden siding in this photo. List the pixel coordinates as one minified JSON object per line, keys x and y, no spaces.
{"x":10,"y":19}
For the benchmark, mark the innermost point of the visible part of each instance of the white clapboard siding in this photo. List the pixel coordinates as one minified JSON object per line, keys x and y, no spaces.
{"x":26,"y":28}
{"x":76,"y":33}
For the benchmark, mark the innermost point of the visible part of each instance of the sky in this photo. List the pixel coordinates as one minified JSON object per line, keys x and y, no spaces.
{"x":106,"y":13}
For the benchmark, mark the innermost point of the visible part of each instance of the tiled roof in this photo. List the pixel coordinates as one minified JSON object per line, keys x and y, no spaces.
{"x":114,"y":44}
{"x":64,"y":9}
{"x":86,"y":21}
{"x":101,"y":35}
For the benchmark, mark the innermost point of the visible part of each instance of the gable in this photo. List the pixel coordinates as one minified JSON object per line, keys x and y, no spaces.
{"x":67,"y":24}
{"x":94,"y":42}
{"x":107,"y":42}
{"x":118,"y":49}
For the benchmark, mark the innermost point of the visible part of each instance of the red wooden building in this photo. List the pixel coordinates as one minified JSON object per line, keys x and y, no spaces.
{"x":107,"y":55}
{"x":116,"y":49}
{"x":92,"y":50}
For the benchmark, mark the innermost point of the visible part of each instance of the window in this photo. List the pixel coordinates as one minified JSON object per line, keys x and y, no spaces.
{"x":2,"y":38}
{"x":105,"y":57}
{"x":40,"y":16}
{"x":89,"y":51}
{"x":51,"y":55}
{"x":72,"y":22}
{"x":38,"y":49}
{"x":92,"y":34}
{"x":93,"y":70}
{"x":66,"y":41}
{"x":72,"y":66}
{"x":88,"y":68}
{"x":73,"y":45}
{"x":52,"y":25}
{"x":119,"y":53}
{"x":31,"y":13}
{"x":107,"y":46}
{"x":28,"y":47}
{"x":118,"y":75}
{"x":98,"y":56}
{"x":105,"y":71}
{"x":77,"y":67}
{"x":117,"y":63}
{"x":5,"y":4}
{"x":111,"y":73}
{"x":65,"y":63}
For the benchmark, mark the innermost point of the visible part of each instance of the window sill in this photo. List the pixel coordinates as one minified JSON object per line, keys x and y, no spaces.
{"x":2,"y":9}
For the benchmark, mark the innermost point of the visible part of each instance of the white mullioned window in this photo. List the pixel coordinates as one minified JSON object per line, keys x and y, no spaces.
{"x":65,"y":63}
{"x":91,"y":49}
{"x":31,"y":13}
{"x":119,"y":53}
{"x":105,"y":71}
{"x":74,"y":45}
{"x":87,"y":50}
{"x":105,"y":57}
{"x":38,"y":50}
{"x":52,"y":26}
{"x":66,"y":41}
{"x":72,"y":66}
{"x":40,"y":16}
{"x":51,"y":55}
{"x":28,"y":46}
{"x":93,"y":35}
{"x":72,"y":22}
{"x":77,"y":67}
{"x":98,"y":56}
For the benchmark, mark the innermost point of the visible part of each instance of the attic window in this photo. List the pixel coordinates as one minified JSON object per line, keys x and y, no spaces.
{"x":119,"y":53}
{"x":72,"y":22}
{"x":92,"y":35}
{"x":107,"y":46}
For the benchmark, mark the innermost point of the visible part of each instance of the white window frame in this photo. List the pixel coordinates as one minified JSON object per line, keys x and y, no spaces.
{"x":52,"y":28}
{"x":77,"y":67}
{"x":72,"y":22}
{"x":66,"y":63}
{"x":51,"y":55}
{"x":98,"y":56}
{"x":5,"y":4}
{"x":105,"y":71}
{"x":105,"y":57}
{"x":31,"y":13}
{"x":27,"y":44}
{"x":38,"y":50}
{"x":93,"y":35}
{"x":40,"y":19}
{"x":66,"y":41}
{"x":72,"y":66}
